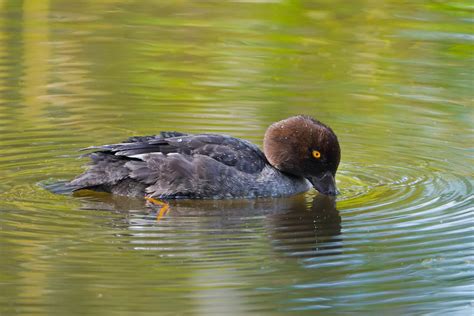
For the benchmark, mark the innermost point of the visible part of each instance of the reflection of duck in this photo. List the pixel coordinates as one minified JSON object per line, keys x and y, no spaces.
{"x":293,"y":227}
{"x":307,"y":232}
{"x":222,"y":211}
{"x":298,"y":152}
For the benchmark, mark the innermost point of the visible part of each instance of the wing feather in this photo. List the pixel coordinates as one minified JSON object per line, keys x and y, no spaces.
{"x":173,"y":164}
{"x":230,"y":151}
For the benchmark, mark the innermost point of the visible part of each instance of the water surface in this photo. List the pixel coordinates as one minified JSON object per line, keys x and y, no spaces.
{"x":393,"y":79}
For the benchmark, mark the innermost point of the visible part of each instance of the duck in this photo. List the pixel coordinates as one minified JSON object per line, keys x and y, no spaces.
{"x":299,"y":153}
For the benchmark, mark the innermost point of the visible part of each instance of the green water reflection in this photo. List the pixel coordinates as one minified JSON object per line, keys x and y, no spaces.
{"x":393,"y":79}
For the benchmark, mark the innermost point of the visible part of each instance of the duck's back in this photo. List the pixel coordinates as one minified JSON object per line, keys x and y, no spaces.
{"x":176,"y":165}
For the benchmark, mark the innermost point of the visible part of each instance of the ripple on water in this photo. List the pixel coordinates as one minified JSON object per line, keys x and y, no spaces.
{"x":395,"y":232}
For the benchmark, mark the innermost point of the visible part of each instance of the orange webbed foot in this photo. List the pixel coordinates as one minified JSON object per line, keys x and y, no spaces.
{"x":164,"y":206}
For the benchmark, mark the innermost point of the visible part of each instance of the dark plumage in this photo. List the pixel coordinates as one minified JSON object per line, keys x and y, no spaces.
{"x":177,"y":165}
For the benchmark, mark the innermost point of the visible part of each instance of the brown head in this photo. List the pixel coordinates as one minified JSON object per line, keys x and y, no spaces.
{"x":305,"y":147}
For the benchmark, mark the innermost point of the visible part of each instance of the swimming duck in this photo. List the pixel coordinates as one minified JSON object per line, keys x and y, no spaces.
{"x":298,"y":153}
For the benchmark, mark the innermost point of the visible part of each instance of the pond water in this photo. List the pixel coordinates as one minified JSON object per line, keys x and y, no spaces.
{"x":394,"y":79}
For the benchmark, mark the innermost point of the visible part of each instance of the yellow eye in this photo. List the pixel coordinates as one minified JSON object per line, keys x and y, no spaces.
{"x":316,"y":154}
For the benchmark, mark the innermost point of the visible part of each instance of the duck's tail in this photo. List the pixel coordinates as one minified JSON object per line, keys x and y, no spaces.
{"x":60,"y":187}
